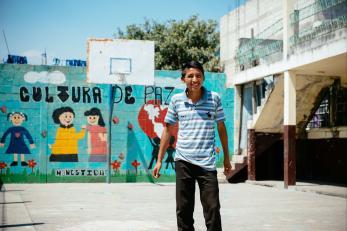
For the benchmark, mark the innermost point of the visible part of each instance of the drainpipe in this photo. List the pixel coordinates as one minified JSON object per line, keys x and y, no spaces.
{"x":288,"y":29}
{"x":240,"y":121}
{"x":254,"y":99}
{"x":108,"y":176}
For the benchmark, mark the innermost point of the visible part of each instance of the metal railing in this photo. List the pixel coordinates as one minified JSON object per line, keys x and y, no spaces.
{"x":317,"y":20}
{"x":313,"y":9}
{"x":262,"y":45}
{"x":309,"y":23}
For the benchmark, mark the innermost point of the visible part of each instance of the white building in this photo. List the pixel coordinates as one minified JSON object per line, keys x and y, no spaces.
{"x":288,"y":63}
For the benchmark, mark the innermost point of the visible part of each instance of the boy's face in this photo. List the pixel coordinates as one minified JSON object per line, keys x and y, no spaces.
{"x":193,"y":79}
{"x":66,"y":118}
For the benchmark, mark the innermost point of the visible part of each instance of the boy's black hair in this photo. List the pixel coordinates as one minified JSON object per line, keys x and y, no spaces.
{"x":192,"y":64}
{"x":57,"y":112}
{"x":96,"y":111}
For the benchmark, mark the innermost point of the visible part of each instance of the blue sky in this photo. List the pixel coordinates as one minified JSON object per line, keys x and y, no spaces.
{"x":62,"y":27}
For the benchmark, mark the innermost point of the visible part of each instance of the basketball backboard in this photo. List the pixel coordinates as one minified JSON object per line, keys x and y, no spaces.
{"x":120,"y":61}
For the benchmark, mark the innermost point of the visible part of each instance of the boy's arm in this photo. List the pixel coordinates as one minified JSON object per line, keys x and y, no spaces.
{"x":222,"y":131}
{"x":164,"y":143}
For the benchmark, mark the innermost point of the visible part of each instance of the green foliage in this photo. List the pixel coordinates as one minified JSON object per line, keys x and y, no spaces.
{"x":177,"y":42}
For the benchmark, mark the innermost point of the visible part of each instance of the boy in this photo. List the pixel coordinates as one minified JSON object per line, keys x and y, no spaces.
{"x":196,"y":110}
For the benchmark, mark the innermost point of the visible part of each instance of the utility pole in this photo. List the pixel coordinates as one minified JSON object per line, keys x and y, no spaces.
{"x":44,"y":58}
{"x":8,"y":50}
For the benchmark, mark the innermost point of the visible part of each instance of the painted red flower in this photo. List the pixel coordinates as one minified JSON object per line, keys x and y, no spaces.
{"x":115,"y":120}
{"x":116,"y":165}
{"x":136,"y":164}
{"x":32,"y":165}
{"x":3,"y":165}
{"x":3,"y":109}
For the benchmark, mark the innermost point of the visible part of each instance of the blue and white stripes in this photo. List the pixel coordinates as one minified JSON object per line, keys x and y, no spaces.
{"x":196,"y":133}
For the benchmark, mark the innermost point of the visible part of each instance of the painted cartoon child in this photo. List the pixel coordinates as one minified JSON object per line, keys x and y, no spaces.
{"x":156,"y":144}
{"x":170,"y":153}
{"x":17,"y":133}
{"x":97,"y":136}
{"x":65,"y":148}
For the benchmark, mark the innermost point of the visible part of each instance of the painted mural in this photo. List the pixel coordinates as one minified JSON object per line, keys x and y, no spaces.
{"x":97,"y":136}
{"x":55,"y":127}
{"x":17,"y":133}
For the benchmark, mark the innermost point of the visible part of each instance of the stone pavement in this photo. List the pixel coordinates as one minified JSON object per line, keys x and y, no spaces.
{"x":316,"y":187}
{"x":142,"y":206}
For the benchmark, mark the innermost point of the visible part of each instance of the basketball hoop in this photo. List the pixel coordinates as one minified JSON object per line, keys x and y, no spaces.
{"x":120,"y":61}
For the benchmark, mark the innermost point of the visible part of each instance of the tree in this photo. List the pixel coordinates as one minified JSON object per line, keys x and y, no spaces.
{"x":177,"y":42}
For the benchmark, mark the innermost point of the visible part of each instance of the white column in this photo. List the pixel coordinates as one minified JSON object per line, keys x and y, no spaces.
{"x":289,"y":129}
{"x":289,"y":98}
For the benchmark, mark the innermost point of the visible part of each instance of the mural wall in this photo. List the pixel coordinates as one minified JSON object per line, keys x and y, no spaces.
{"x":57,"y":128}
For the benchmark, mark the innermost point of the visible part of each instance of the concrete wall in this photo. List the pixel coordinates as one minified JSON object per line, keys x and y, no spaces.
{"x":235,"y":25}
{"x":313,"y":40}
{"x":238,"y":23}
{"x":36,"y":92}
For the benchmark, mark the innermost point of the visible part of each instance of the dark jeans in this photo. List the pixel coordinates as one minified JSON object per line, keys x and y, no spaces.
{"x":186,"y":175}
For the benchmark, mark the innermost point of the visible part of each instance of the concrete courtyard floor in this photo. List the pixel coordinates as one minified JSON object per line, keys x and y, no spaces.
{"x":142,"y":206}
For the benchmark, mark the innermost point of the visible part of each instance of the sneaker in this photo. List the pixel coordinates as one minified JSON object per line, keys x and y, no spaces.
{"x":14,"y":163}
{"x":23,"y":163}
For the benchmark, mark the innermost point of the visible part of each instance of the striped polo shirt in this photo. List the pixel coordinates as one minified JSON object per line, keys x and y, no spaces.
{"x":196,"y":132}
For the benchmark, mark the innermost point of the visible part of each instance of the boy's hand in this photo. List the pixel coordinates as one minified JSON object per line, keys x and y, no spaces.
{"x":156,"y":170}
{"x":227,"y":168}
